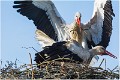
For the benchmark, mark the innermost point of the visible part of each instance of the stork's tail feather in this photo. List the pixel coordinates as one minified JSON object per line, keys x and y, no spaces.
{"x":58,"y":51}
{"x":94,"y":60}
{"x":43,"y":38}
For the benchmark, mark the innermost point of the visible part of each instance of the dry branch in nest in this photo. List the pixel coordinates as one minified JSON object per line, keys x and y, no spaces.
{"x":71,"y":70}
{"x":57,"y":69}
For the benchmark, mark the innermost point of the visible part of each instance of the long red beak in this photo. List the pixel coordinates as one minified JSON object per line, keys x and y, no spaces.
{"x":110,"y":54}
{"x":78,"y":21}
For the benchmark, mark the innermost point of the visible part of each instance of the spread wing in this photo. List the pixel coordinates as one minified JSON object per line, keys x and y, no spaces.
{"x":101,"y":23}
{"x":44,"y":15}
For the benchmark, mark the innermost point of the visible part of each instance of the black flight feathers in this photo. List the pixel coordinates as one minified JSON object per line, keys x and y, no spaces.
{"x":37,"y":15}
{"x":56,"y":51}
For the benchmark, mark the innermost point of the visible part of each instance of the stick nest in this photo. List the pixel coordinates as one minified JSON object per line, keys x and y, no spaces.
{"x":56,"y":70}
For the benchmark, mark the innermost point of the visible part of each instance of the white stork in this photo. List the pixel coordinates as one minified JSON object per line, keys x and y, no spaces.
{"x":70,"y":49}
{"x":87,"y":55}
{"x":52,"y":28}
{"x":47,"y":19}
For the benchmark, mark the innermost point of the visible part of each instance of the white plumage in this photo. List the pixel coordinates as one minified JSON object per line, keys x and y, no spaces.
{"x":96,"y":28}
{"x":52,"y":28}
{"x":43,"y":38}
{"x":87,"y":55}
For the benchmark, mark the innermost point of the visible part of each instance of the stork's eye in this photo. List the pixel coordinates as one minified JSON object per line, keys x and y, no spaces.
{"x":103,"y":48}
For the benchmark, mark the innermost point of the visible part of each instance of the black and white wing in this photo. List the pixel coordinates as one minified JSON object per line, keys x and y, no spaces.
{"x":44,"y":15}
{"x":57,"y":52}
{"x":101,"y":23}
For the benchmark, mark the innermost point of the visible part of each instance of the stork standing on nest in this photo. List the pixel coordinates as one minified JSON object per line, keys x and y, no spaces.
{"x":52,"y":28}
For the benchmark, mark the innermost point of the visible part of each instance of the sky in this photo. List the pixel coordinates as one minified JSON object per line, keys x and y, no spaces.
{"x":18,"y":32}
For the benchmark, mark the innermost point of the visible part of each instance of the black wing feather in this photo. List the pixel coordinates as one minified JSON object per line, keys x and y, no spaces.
{"x":57,"y":50}
{"x":39,"y":17}
{"x":107,"y":24}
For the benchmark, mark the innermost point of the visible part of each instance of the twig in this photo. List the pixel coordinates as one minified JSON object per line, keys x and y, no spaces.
{"x":105,"y":64}
{"x":101,"y":62}
{"x":115,"y":68}
{"x":33,"y":49}
{"x":31,"y":66}
{"x":41,"y":56}
{"x":109,"y":70}
{"x":30,"y":47}
{"x":25,"y":47}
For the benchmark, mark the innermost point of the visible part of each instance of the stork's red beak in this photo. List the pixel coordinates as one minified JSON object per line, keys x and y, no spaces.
{"x":110,"y":54}
{"x":78,"y":21}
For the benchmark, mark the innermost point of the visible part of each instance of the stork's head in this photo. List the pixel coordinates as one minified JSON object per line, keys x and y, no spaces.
{"x":78,"y":18}
{"x":100,"y":50}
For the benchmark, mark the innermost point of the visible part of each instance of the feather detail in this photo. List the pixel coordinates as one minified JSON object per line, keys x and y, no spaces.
{"x":43,"y":38}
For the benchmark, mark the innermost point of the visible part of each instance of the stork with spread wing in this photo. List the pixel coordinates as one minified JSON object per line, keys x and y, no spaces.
{"x":100,"y":26}
{"x":52,"y":28}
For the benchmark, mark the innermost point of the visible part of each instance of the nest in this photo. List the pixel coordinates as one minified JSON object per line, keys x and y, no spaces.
{"x":71,"y":70}
{"x":56,"y":70}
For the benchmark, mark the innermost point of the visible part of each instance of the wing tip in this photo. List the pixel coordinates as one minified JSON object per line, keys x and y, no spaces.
{"x":17,"y":2}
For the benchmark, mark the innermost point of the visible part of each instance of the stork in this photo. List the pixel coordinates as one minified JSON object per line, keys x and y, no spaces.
{"x":70,"y":49}
{"x":51,"y":27}
{"x":96,"y":31}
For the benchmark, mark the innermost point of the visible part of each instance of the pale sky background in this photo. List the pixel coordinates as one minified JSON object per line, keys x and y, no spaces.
{"x":17,"y":31}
